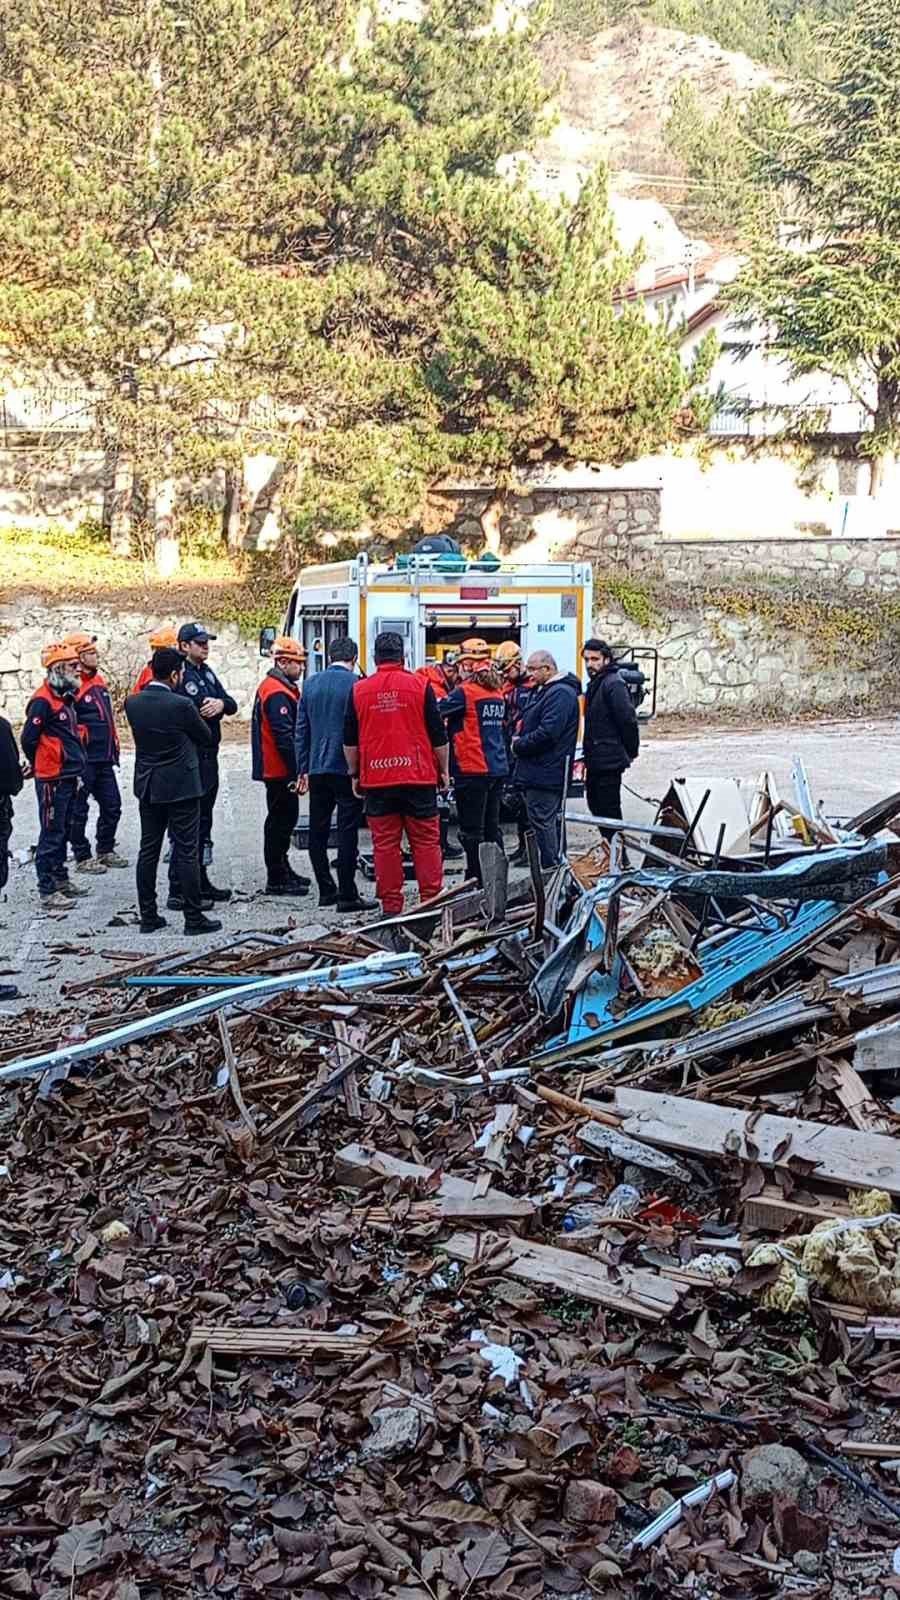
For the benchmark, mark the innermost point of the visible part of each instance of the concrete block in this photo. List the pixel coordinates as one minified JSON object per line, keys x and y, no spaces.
{"x":855,"y":579}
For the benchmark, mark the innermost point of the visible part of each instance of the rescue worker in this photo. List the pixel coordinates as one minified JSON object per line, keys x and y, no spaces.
{"x":97,"y":719}
{"x":213,"y":702}
{"x":474,"y":713}
{"x":397,"y":754}
{"x":273,"y":745}
{"x":543,"y":750}
{"x":443,"y":675}
{"x":168,"y":735}
{"x":322,"y":771}
{"x":52,"y":745}
{"x":612,"y":737}
{"x":165,"y":638}
{"x":517,"y":686}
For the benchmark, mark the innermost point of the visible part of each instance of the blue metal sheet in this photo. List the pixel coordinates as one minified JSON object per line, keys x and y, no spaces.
{"x":726,"y":962}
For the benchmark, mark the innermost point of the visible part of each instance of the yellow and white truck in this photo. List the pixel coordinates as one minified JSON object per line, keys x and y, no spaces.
{"x":435,"y":602}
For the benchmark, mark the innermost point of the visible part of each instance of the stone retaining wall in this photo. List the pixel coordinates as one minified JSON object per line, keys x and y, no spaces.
{"x":26,"y":624}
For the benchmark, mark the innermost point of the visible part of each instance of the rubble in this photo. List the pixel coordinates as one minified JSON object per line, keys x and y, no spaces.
{"x":441,"y":1258}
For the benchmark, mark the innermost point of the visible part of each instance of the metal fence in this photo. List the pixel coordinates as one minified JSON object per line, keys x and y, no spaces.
{"x":26,"y":414}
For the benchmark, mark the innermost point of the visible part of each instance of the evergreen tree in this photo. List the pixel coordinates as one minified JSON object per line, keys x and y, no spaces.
{"x":831,"y":294}
{"x":251,"y":226}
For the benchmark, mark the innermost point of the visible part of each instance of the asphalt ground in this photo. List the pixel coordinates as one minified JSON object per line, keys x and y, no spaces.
{"x":850,"y":765}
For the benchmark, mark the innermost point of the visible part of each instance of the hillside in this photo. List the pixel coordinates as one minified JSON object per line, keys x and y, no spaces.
{"x":615,"y":96}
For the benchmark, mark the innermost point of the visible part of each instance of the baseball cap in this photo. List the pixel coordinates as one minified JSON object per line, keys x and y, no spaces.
{"x":194,"y":633}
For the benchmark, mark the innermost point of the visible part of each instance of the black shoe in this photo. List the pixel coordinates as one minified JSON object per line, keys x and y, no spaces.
{"x":213,"y":895}
{"x":452,"y":852}
{"x":153,"y":924}
{"x":297,"y":877}
{"x":288,"y":888}
{"x":349,"y":906}
{"x":329,"y":898}
{"x":175,"y":902}
{"x":203,"y":925}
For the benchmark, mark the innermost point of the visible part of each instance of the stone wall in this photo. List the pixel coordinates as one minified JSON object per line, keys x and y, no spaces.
{"x":739,"y":624}
{"x":27,"y":624}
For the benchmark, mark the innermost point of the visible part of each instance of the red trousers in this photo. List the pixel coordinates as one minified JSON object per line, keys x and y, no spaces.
{"x":425,"y":843}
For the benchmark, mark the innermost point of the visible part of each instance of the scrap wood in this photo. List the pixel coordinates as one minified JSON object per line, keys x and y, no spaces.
{"x":770,"y":1212}
{"x":838,"y":1155}
{"x":864,"y":1112}
{"x":646,"y":1294}
{"x":579,"y":1108}
{"x":357,"y":1165}
{"x":495,"y":1137}
{"x":283,"y":1342}
{"x":234,"y":1082}
{"x":870,"y":1449}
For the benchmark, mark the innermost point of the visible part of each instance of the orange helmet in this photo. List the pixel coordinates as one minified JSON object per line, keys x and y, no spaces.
{"x":165,"y":638}
{"x":475,"y":650}
{"x":80,"y":641}
{"x":507,"y":653}
{"x":284,"y":646}
{"x":54,"y":654}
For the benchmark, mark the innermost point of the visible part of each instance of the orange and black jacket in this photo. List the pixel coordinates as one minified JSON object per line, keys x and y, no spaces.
{"x":51,"y":740}
{"x":94,"y":710}
{"x":272,"y":728}
{"x":475,"y":722}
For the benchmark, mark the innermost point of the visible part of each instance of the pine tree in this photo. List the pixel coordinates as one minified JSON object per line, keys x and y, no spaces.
{"x":830,"y":295}
{"x":253,"y":227}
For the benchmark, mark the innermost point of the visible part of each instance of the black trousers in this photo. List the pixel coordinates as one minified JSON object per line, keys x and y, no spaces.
{"x":6,"y":822}
{"x":544,"y":808}
{"x":603,"y":788}
{"x":98,"y":782}
{"x":478,"y":810}
{"x":207,"y":807}
{"x":282,"y":810}
{"x":329,"y":792}
{"x":183,"y":823}
{"x":55,"y":799}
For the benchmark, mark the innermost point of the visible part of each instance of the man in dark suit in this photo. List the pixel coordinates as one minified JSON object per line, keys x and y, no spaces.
{"x":168,"y":734}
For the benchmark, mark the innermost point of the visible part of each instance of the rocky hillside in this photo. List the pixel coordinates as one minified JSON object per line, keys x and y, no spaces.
{"x":615,"y":96}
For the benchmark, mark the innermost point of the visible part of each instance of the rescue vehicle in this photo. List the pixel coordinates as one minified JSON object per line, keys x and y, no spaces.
{"x":436,"y":601}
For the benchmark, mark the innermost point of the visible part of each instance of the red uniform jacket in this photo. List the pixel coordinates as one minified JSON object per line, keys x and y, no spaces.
{"x":272,"y":728}
{"x":395,"y":746}
{"x":144,"y":677}
{"x":51,"y":740}
{"x":475,"y":721}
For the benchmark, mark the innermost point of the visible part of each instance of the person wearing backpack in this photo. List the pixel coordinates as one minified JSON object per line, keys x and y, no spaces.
{"x":612,"y":737}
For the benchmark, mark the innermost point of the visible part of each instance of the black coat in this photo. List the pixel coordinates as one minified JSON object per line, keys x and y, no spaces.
{"x":169,"y":734}
{"x":10,"y":771}
{"x":612,"y":737}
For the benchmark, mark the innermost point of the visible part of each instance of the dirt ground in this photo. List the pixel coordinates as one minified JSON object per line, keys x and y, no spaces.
{"x":850,"y":765}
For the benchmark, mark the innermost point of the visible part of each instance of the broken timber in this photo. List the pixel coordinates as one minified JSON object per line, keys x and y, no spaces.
{"x":636,"y":1290}
{"x":701,"y":1128}
{"x":357,"y":1165}
{"x":282,"y":1342}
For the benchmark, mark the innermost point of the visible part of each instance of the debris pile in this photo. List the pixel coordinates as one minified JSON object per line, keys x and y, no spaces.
{"x":537,"y":1247}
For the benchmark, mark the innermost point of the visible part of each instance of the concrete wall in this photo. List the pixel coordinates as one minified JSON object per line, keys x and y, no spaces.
{"x":27,"y":624}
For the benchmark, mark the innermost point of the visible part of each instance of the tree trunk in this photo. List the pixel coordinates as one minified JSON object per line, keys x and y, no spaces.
{"x":117,"y":501}
{"x":887,"y":419}
{"x":165,"y":541}
{"x":233,"y":509}
{"x":490,"y":521}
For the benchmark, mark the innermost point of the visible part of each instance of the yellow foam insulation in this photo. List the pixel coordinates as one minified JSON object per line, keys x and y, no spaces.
{"x":856,"y":1261}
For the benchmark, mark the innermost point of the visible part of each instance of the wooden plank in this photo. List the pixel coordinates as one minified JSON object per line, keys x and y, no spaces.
{"x":580,"y":1108}
{"x":637,"y":1290}
{"x":282,"y":1342}
{"x":497,"y":1135}
{"x":701,"y":1128}
{"x":769,"y":1212}
{"x":869,"y":1450}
